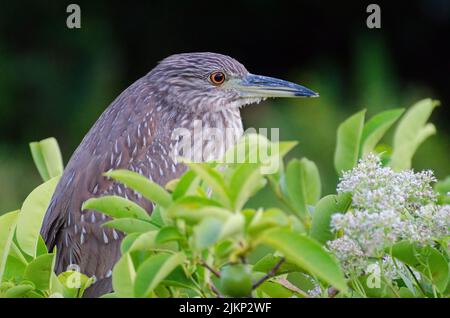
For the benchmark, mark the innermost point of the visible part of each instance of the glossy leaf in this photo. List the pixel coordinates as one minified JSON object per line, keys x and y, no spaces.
{"x":130,"y":225}
{"x":186,"y":184}
{"x":123,"y":277}
{"x":275,"y":290}
{"x":149,"y":189}
{"x":7,"y":227}
{"x":207,"y":232}
{"x":154,"y":270}
{"x":426,"y":260}
{"x":308,"y":254}
{"x":73,"y":283}
{"x":245,"y":182}
{"x":116,"y":207}
{"x":411,"y":131}
{"x":268,"y":262}
{"x":32,"y":214}
{"x":47,"y":158}
{"x":193,"y":209}
{"x":167,"y":234}
{"x":376,"y":127}
{"x":348,"y":141}
{"x":19,"y":291}
{"x":325,"y":208}
{"x":214,"y":180}
{"x":264,"y":220}
{"x":39,"y":271}
{"x":302,"y":184}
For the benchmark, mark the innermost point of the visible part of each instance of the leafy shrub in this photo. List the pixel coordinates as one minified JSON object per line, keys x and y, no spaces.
{"x":383,"y":234}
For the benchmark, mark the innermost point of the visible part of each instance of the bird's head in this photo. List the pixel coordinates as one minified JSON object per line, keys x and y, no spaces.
{"x":201,"y":82}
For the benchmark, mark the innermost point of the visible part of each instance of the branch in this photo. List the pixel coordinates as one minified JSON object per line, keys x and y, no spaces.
{"x":214,"y":289}
{"x":212,"y":270}
{"x":269,"y":274}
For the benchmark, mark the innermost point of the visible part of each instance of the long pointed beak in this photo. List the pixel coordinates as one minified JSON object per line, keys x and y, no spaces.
{"x":264,"y":86}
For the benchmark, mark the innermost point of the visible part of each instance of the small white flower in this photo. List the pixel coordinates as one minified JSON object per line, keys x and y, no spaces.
{"x":316,"y":292}
{"x":387,"y":207}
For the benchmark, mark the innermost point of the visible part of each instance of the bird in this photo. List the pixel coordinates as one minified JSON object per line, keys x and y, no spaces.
{"x":135,"y":132}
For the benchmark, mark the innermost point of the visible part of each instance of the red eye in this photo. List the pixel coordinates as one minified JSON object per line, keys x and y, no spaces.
{"x":217,"y":78}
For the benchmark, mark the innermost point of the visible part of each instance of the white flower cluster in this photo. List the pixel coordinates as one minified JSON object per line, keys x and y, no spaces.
{"x":349,"y":254}
{"x":376,"y":188}
{"x":387,"y":207}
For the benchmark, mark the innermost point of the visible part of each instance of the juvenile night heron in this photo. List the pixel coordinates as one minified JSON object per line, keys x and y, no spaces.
{"x":135,"y":133}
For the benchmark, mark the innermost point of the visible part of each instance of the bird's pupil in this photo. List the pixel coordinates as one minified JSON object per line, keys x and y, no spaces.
{"x":218,"y":77}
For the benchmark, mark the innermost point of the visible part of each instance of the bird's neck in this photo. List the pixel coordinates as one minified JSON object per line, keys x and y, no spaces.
{"x":206,"y":136}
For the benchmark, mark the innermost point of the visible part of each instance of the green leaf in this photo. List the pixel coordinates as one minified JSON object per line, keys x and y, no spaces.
{"x":7,"y":227}
{"x":311,"y":177}
{"x":411,"y":131}
{"x":376,"y":127}
{"x":116,"y":207}
{"x":295,"y":186}
{"x":52,"y":155}
{"x":39,"y":160}
{"x":123,"y":277}
{"x":286,"y":146}
{"x":214,"y":180}
{"x":186,"y":185}
{"x":269,"y":261}
{"x":308,"y":254}
{"x":178,"y":278}
{"x":74,"y":283}
{"x":129,"y":240}
{"x":245,"y":182}
{"x":376,"y":291}
{"x":348,"y":140}
{"x":234,"y":225}
{"x":14,"y":269}
{"x":207,"y":232}
{"x":275,"y":290}
{"x":47,"y":158}
{"x":19,"y":291}
{"x":193,"y":209}
{"x":301,"y":280}
{"x":129,"y":225}
{"x":149,"y":189}
{"x":56,"y":287}
{"x":264,"y":220}
{"x":303,"y":185}
{"x":39,"y":271}
{"x":144,"y":242}
{"x":32,"y":214}
{"x":167,"y":234}
{"x":426,"y":260}
{"x":154,"y":270}
{"x":17,"y":253}
{"x":257,"y":149}
{"x":156,"y":217}
{"x":325,"y":208}
{"x":41,"y":248}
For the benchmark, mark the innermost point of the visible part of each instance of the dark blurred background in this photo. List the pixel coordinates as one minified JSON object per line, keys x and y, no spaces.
{"x":56,"y":81}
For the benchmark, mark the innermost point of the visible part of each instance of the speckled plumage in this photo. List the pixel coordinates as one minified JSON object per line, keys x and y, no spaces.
{"x":135,"y":133}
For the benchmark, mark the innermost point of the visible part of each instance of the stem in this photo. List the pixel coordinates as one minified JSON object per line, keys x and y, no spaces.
{"x":214,"y":289}
{"x":269,"y":274}
{"x":212,"y":270}
{"x":332,"y":292}
{"x":391,"y":287}
{"x":416,"y":280}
